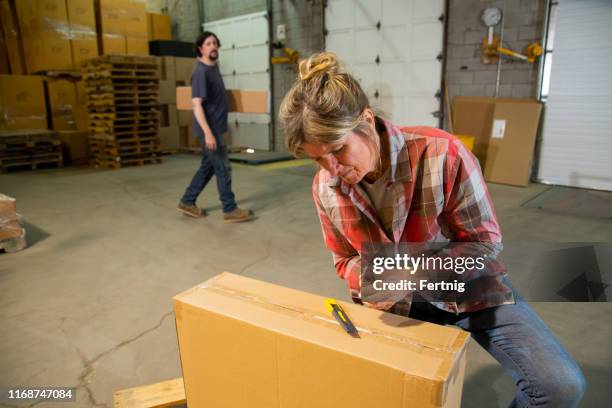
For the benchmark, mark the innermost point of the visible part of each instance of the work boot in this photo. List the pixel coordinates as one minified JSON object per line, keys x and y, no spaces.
{"x":238,"y":215}
{"x":191,"y":210}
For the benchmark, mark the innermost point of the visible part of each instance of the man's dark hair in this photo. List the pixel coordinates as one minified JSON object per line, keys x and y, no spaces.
{"x":203,"y":38}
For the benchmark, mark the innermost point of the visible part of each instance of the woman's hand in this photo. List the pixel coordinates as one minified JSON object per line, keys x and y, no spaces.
{"x":379,"y":305}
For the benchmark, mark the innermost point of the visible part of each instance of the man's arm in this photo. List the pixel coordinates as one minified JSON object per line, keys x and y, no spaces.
{"x":198,"y":110}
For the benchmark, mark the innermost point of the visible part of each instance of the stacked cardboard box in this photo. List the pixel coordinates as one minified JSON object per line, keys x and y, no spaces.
{"x":123,"y":105}
{"x":12,"y":233}
{"x":66,"y":101}
{"x":123,"y":27}
{"x":46,"y":34}
{"x":82,"y":22}
{"x":22,"y":102}
{"x":159,"y":27}
{"x":66,"y":104}
{"x":12,"y":37}
{"x":175,"y":130}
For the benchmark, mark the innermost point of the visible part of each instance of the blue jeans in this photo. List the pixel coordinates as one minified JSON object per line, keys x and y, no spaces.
{"x":543,"y":371}
{"x":214,"y":162}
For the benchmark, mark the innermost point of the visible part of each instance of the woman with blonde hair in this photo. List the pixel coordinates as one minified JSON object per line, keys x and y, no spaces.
{"x":378,"y":183}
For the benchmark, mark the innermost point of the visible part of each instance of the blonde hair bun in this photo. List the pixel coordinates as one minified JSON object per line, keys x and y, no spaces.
{"x":319,"y":64}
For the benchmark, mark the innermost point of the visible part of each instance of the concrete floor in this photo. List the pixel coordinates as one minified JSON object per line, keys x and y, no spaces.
{"x":89,"y":303}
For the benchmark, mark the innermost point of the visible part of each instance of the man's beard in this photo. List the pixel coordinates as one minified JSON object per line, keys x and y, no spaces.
{"x":213,"y":55}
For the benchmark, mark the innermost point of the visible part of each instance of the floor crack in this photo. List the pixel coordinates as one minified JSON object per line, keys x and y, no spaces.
{"x":261,"y":259}
{"x":88,"y":364}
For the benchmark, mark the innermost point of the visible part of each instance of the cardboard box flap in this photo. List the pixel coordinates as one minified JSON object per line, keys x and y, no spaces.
{"x":417,"y":349}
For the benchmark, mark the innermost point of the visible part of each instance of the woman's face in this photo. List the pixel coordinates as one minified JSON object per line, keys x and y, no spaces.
{"x":350,"y":161}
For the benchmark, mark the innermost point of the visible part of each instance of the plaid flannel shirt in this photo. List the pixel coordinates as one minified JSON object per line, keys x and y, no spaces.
{"x":440,"y":196}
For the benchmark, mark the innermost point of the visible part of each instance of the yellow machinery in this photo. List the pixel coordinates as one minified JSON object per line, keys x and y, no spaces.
{"x":492,"y":50}
{"x":291,"y":57}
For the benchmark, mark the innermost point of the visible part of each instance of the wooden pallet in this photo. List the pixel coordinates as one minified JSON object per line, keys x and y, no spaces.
{"x":114,"y":153}
{"x":57,"y":73}
{"x":126,"y":163}
{"x":31,"y":165}
{"x":164,"y":394}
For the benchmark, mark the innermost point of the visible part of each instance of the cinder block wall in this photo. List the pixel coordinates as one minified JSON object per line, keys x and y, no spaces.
{"x":523,"y":23}
{"x":304,"y":32}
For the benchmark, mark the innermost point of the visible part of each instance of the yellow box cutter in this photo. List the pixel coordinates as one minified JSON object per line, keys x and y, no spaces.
{"x":341,"y":316}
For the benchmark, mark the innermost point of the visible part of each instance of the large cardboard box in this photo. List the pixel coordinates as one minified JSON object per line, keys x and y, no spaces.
{"x":46,"y":34}
{"x":238,"y":100}
{"x":122,"y":27}
{"x":136,"y":45}
{"x":505,"y":130}
{"x":12,"y":37}
{"x":245,"y":342}
{"x":512,"y":143}
{"x":183,"y":69}
{"x":61,"y":103}
{"x":22,"y":102}
{"x":109,"y":22}
{"x":159,"y":27}
{"x":82,"y":22}
{"x":75,"y":146}
{"x":474,"y":116}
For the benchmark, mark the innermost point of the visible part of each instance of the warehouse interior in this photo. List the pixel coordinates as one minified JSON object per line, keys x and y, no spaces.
{"x":88,"y":281}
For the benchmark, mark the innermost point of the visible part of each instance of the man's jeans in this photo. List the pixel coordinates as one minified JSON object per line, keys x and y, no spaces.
{"x":543,"y":371}
{"x":214,"y":162}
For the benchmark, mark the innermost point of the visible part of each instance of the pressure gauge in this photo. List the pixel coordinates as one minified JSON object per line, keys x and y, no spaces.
{"x":491,"y":16}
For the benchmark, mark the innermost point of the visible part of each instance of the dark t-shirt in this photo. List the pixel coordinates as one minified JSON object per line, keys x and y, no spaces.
{"x":206,"y":83}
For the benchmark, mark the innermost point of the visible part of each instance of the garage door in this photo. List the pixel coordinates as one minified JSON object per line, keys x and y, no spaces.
{"x":244,"y":61}
{"x":394,"y":48}
{"x":576,"y":145}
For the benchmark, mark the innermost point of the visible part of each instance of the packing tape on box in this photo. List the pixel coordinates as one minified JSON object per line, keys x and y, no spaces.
{"x":324,"y":320}
{"x":82,"y":32}
{"x":58,"y":26}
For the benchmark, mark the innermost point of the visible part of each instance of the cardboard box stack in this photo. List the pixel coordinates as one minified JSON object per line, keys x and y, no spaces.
{"x":175,"y":130}
{"x":22,"y":102}
{"x":67,"y":114}
{"x":123,"y":104}
{"x":505,"y":131}
{"x":82,"y":22}
{"x":12,"y":233}
{"x":46,"y":34}
{"x":12,"y":38}
{"x":123,"y":27}
{"x":298,"y":355}
{"x":159,"y":27}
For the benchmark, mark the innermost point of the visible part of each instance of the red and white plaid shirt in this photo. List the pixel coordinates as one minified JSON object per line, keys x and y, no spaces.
{"x":440,"y":196}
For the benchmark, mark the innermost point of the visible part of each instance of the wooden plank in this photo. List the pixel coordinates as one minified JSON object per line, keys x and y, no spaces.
{"x":159,"y":395}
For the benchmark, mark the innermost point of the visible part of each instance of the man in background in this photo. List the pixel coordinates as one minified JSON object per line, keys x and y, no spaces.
{"x":209,"y":125}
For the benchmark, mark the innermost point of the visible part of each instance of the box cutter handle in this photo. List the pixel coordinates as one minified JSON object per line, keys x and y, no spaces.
{"x":341,"y":316}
